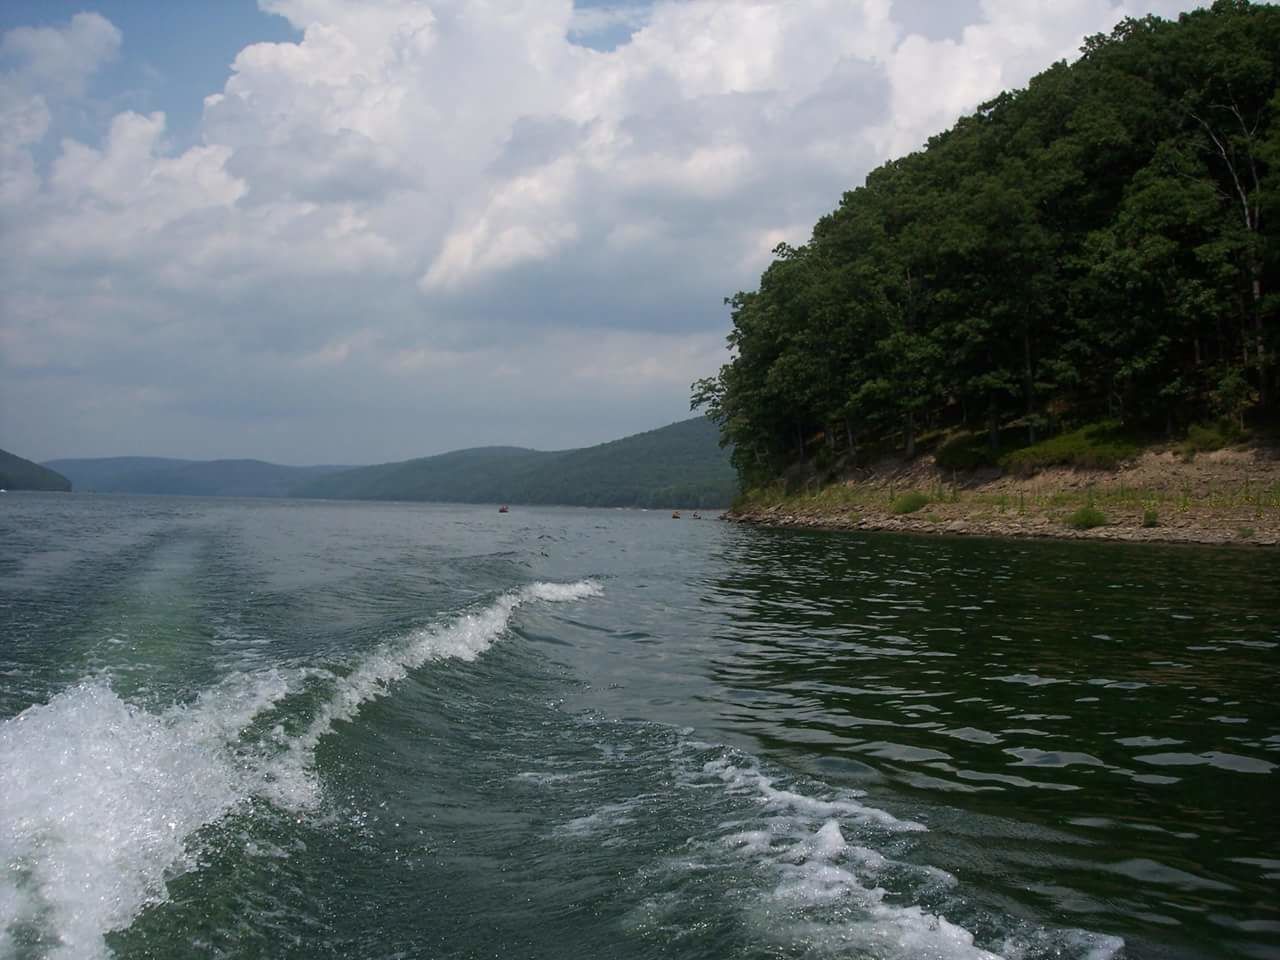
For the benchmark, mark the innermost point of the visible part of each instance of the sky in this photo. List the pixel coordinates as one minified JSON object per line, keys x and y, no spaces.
{"x":353,"y":231}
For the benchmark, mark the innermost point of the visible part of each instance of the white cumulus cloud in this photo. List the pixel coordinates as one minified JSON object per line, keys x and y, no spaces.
{"x":449,"y":221}
{"x":60,"y":60}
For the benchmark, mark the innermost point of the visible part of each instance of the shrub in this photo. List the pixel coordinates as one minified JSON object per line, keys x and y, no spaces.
{"x":972,"y":451}
{"x":909,"y":502}
{"x":758,"y":498}
{"x":964,"y":452}
{"x":1205,"y":438}
{"x":1086,"y":518}
{"x":1150,"y":518}
{"x":968,"y":451}
{"x":1232,"y":396}
{"x":1098,"y":446}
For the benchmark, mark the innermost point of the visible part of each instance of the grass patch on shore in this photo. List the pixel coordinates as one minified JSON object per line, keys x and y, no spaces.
{"x":1206,"y":438}
{"x":1086,"y":518}
{"x":1097,"y":446}
{"x":835,"y":500}
{"x":909,"y":502}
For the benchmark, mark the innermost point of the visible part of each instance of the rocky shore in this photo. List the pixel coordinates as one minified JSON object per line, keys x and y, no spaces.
{"x":1222,"y":498}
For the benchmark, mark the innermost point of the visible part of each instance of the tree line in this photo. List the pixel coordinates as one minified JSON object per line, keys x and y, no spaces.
{"x":679,"y":465}
{"x":1099,"y":245}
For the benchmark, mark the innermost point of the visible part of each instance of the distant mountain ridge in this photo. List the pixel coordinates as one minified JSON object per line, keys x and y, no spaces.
{"x":680,"y":465}
{"x":202,"y":478}
{"x":17,"y":473}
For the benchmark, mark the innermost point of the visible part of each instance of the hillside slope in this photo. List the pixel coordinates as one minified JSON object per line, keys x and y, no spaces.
{"x":19,"y":474}
{"x":1089,"y":248}
{"x":479,"y":475}
{"x":109,"y":474}
{"x":208,"y":478}
{"x":681,"y":465}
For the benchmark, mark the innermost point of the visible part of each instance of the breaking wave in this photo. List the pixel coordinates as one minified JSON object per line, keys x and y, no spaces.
{"x":100,"y":798}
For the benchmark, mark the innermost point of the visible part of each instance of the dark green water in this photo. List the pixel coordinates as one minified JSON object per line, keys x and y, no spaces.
{"x":279,"y":729}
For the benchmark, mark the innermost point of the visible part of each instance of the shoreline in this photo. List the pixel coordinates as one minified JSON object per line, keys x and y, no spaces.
{"x":1226,"y":498}
{"x":1188,"y":531}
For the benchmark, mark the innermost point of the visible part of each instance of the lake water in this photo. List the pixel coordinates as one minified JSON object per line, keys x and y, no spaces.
{"x":305,"y":729}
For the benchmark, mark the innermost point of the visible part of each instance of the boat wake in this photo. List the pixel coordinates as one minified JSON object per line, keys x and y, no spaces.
{"x":808,"y":869}
{"x":100,"y":800}
{"x":826,"y":888}
{"x":102,"y":803}
{"x":97,"y":800}
{"x":288,"y":779}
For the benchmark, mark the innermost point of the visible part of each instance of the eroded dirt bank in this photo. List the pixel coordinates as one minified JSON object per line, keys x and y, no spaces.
{"x":1225,"y":497}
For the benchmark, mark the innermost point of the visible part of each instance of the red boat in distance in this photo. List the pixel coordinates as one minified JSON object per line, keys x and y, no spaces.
{"x":503,"y":509}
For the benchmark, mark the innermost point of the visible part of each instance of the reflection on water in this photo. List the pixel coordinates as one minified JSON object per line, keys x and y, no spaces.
{"x":1096,"y":726}
{"x":278,"y":729}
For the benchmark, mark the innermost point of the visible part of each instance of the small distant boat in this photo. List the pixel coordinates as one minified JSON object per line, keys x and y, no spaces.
{"x":697,"y":516}
{"x":503,"y":509}
{"x":675,"y":514}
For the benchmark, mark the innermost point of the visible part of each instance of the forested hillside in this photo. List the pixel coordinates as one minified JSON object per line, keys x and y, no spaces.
{"x":110,"y":474}
{"x":19,"y":474}
{"x":1097,"y":247}
{"x":205,"y":478}
{"x":481,"y":475}
{"x":680,"y":465}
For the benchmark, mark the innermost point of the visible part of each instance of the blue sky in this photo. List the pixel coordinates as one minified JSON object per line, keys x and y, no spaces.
{"x":173,"y":53}
{"x":177,"y":51}
{"x":363,"y":230}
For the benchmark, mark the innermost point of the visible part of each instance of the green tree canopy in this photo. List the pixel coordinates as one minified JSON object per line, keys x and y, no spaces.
{"x":1099,"y":244}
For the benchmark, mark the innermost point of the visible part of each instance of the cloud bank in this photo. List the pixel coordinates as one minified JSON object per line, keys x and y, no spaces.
{"x":436,"y":224}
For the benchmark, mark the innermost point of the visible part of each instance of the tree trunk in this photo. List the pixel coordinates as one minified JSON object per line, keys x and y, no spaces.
{"x":993,"y":429}
{"x":1260,"y":348}
{"x":909,"y":428}
{"x":1028,"y":384}
{"x":1242,"y":165}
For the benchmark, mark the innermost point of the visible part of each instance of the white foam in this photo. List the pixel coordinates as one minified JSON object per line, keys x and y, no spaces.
{"x":98,"y":798}
{"x":824,"y":870}
{"x":291,"y":781}
{"x":821,"y":894}
{"x":750,"y":842}
{"x":559,"y":592}
{"x":543,"y":779}
{"x":749,"y":779}
{"x":609,"y":816}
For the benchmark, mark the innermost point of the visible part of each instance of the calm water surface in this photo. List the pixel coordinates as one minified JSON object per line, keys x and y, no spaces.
{"x":294,"y":729}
